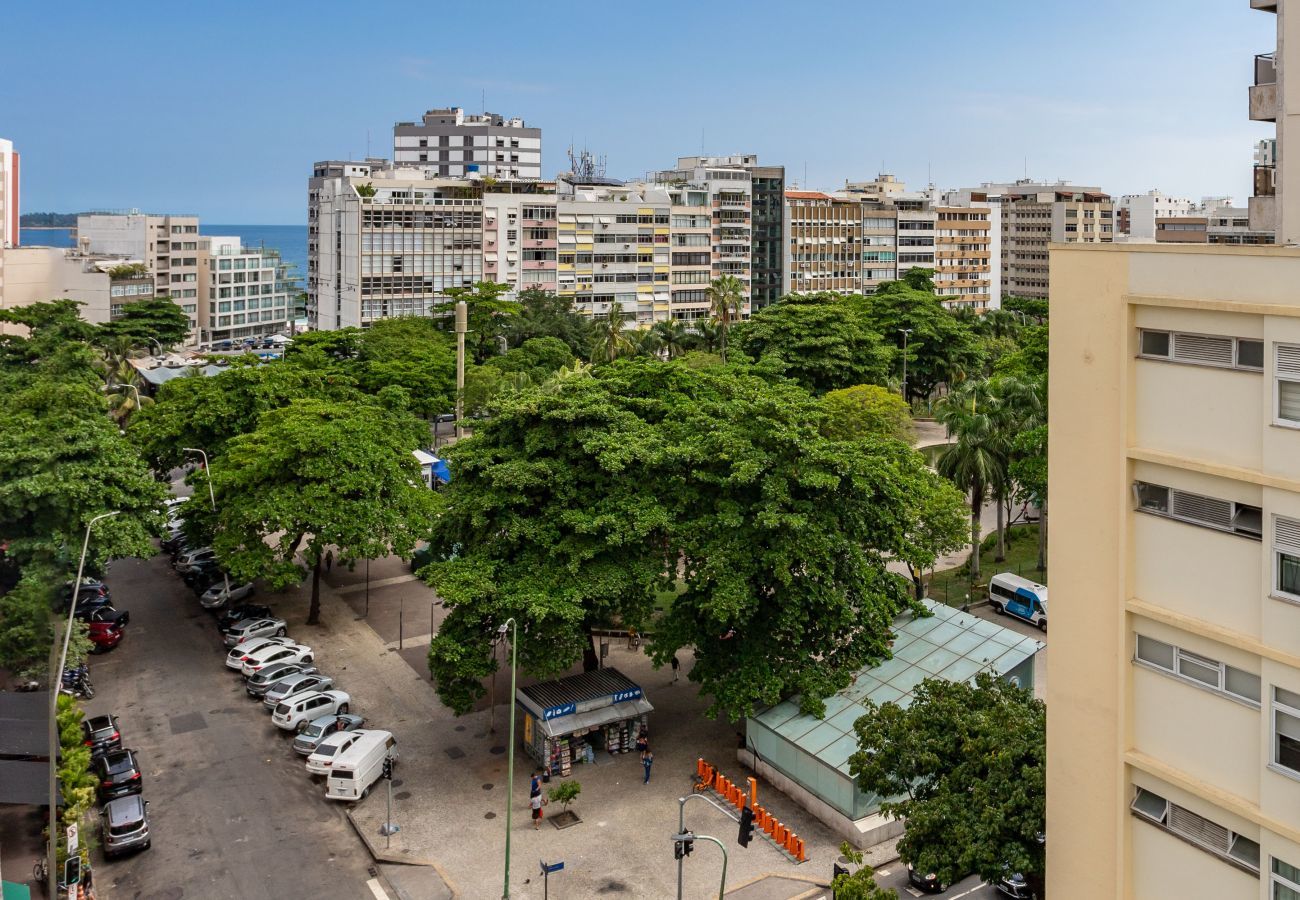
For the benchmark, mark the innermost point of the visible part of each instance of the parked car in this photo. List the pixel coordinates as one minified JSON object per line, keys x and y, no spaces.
{"x":321,"y":758}
{"x":240,"y":652}
{"x":89,"y":597}
{"x":248,"y":629}
{"x":124,"y":825}
{"x":191,"y":559}
{"x":101,"y":734}
{"x":928,"y":881}
{"x":236,"y":614}
{"x":105,"y":635}
{"x":88,"y":586}
{"x":201,"y":576}
{"x":297,"y":711}
{"x":317,"y":730}
{"x":118,"y":774}
{"x":303,"y":682}
{"x":216,"y":597}
{"x":1014,"y":885}
{"x":356,"y":769}
{"x":264,"y":656}
{"x":103,"y":614}
{"x":258,"y":684}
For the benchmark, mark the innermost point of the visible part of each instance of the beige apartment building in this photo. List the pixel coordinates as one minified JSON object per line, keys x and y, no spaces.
{"x":1174,"y":680}
{"x":963,"y":258}
{"x":824,"y":240}
{"x":169,"y":246}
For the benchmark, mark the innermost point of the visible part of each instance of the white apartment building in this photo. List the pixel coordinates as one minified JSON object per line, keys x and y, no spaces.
{"x":246,"y":291}
{"x":386,"y":242}
{"x":452,"y":143}
{"x":35,"y":274}
{"x":519,"y":237}
{"x":1136,"y":214}
{"x":168,"y":244}
{"x":613,"y":246}
{"x":9,"y":206}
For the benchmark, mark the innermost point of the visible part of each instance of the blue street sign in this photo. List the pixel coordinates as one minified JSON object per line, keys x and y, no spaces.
{"x":554,"y":867}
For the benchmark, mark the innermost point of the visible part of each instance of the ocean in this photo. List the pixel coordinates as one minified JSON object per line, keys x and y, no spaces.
{"x":290,"y":240}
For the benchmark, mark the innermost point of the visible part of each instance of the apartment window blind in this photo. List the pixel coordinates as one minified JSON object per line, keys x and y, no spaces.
{"x":1214,"y":351}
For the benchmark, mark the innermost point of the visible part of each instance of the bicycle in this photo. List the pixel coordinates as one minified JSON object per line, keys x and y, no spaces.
{"x":41,"y":870}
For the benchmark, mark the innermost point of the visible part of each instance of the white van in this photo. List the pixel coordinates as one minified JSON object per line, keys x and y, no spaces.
{"x":1019,"y":597}
{"x":356,"y":770}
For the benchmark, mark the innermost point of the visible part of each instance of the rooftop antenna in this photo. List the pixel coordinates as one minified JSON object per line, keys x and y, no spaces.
{"x":805,"y":175}
{"x":367,"y":143}
{"x":483,"y":100}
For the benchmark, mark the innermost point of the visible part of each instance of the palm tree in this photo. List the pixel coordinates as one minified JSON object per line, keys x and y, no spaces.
{"x":999,"y":323}
{"x":121,"y":380}
{"x":672,"y":336}
{"x":707,"y":335}
{"x":1014,"y":407}
{"x":726,"y":293}
{"x":645,"y":342}
{"x":610,"y":342}
{"x":974,"y":461}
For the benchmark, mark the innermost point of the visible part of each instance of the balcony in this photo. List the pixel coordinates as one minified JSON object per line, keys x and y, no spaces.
{"x":1263,"y":93}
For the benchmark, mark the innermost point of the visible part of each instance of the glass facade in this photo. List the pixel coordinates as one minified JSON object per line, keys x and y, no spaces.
{"x":768,"y":246}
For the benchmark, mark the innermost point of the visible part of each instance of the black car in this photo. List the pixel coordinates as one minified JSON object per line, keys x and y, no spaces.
{"x":101,"y":734}
{"x":1014,"y":885}
{"x":88,"y":597}
{"x":928,"y":882}
{"x":236,"y":614}
{"x":103,"y":614}
{"x":118,"y":774}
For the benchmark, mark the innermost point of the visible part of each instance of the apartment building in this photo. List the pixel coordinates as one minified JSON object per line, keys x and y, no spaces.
{"x":102,"y":284}
{"x":713,"y":229}
{"x":917,"y":224}
{"x":520,"y":238}
{"x":824,"y":242}
{"x":1136,"y":214}
{"x":1270,"y":101}
{"x":963,"y":257}
{"x":168,"y":244}
{"x":1174,"y":683}
{"x":247,"y":293}
{"x":387,"y":241}
{"x":9,"y":206}
{"x":614,"y":246}
{"x":452,"y":143}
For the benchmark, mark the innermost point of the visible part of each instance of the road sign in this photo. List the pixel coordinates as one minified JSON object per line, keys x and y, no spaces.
{"x":547,"y":868}
{"x":72,"y":840}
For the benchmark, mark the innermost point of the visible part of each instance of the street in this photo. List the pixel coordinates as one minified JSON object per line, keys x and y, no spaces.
{"x":232,"y":812}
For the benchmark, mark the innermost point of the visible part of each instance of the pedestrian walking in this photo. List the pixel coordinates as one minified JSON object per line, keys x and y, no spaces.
{"x":647,"y":760}
{"x":535,"y":785}
{"x":642,"y":742}
{"x":329,"y":560}
{"x":536,"y":803}
{"x":677,"y":667}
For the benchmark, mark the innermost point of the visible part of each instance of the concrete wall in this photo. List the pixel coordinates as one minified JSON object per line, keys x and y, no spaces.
{"x":33,"y":274}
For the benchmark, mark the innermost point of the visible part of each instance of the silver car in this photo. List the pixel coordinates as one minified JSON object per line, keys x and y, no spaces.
{"x":215,"y":597}
{"x":318,"y":729}
{"x":294,"y":684}
{"x":260,"y":683}
{"x":255,"y":628}
{"x":125,"y":825}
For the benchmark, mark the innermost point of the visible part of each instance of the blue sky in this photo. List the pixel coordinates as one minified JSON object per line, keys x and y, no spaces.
{"x":220,"y":109}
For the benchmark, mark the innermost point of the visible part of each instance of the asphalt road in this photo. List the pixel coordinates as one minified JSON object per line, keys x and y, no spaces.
{"x":233,"y":814}
{"x":894,"y":875}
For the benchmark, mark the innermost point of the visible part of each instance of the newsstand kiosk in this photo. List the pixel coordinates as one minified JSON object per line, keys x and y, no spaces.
{"x":568,"y":721}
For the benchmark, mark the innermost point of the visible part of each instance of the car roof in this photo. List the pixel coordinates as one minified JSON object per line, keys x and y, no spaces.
{"x":124,"y":809}
{"x":340,"y":737}
{"x":95,"y":723}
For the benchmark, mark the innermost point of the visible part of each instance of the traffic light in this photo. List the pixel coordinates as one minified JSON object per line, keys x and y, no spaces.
{"x":683,"y":844}
{"x":388,"y":767}
{"x":72,"y":870}
{"x":746,"y":826}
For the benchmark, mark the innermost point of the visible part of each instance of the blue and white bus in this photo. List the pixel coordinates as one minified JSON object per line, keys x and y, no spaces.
{"x":1019,"y":597}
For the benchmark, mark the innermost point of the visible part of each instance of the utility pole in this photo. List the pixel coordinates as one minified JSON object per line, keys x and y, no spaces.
{"x":462,"y":325}
{"x":906,"y":332}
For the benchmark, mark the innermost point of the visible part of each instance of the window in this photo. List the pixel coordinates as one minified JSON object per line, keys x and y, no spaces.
{"x":1237,"y":684}
{"x":1286,"y":556}
{"x":1287,"y":369}
{"x":1250,"y":354}
{"x":1202,"y":349}
{"x":1285,"y":881}
{"x":1196,"y":829}
{"x":1286,"y":729}
{"x":1197,"y":509}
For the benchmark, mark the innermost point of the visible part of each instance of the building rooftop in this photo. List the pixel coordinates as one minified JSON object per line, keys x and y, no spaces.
{"x":949,"y":644}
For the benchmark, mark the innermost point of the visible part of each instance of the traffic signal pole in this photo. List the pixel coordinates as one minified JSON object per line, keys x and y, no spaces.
{"x":681,"y":832}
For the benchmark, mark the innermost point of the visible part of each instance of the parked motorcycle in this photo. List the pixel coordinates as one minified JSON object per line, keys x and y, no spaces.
{"x":76,"y":683}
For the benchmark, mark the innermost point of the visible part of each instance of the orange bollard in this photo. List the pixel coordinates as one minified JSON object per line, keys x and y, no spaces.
{"x":791,"y":843}
{"x":737,"y":797}
{"x":769,"y":826}
{"x":801,"y":855}
{"x":699,"y":766}
{"x":753,"y":791}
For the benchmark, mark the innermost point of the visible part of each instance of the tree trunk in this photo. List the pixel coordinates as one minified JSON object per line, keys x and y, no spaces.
{"x":976,"y":501}
{"x":313,"y":613}
{"x":1001,"y":553}
{"x":918,"y":581}
{"x":1042,"y":536}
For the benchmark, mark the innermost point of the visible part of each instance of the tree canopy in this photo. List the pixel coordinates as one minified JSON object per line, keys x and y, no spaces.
{"x":940,"y":348}
{"x":965,"y":765}
{"x":824,"y":340}
{"x":159,"y":319}
{"x":581,"y":505}
{"x":864,"y":410}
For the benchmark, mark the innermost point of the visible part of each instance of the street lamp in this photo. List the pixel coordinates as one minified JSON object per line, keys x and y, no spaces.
{"x":510,"y":754}
{"x":225,"y":578}
{"x":138,"y":404}
{"x":55,"y":684}
{"x":905,"y":332}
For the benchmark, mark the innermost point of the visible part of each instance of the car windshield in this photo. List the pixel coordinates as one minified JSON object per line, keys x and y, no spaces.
{"x":116,"y":764}
{"x":312,"y":731}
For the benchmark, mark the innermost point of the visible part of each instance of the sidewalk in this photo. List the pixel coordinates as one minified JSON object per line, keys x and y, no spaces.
{"x":449,"y":791}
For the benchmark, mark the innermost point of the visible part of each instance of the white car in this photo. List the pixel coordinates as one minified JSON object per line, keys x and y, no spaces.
{"x":215,"y":597}
{"x":255,"y":628}
{"x":295,"y":712}
{"x":235,"y":658}
{"x":265,"y":656}
{"x":323,"y":756}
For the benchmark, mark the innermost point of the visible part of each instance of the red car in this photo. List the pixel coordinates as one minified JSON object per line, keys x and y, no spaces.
{"x":106,"y":635}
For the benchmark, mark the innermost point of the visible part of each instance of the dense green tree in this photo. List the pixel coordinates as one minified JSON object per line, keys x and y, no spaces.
{"x":673,"y":337}
{"x":965,"y":766}
{"x":143,"y":321}
{"x":578,"y":504}
{"x":860,"y":884}
{"x":538,"y":357}
{"x":1031,"y":307}
{"x":1029,"y":360}
{"x":207,"y":412}
{"x":409,"y":353}
{"x":610,"y":339}
{"x":824,"y":340}
{"x":1029,"y":470}
{"x":543,"y":314}
{"x":488,"y":313}
{"x":940,"y":349}
{"x":314,"y":476}
{"x":864,"y":410}
{"x":726,"y":293}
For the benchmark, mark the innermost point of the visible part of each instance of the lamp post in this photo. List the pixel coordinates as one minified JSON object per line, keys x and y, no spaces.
{"x":225,"y":578}
{"x":462,"y":325}
{"x":906,"y":332}
{"x":55,"y":684}
{"x":510,"y":748}
{"x":155,"y":342}
{"x":138,"y":404}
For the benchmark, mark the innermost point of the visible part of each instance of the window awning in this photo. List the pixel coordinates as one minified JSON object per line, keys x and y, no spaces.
{"x":582,"y":701}
{"x":616,"y":712}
